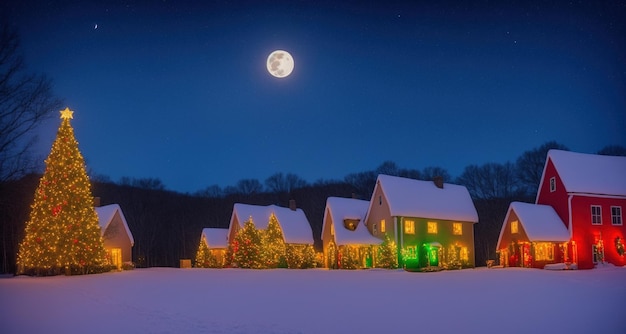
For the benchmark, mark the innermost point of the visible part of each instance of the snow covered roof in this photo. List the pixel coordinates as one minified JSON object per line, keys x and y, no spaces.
{"x":105,"y":216}
{"x":423,"y":199}
{"x":295,"y":225}
{"x":589,"y":173}
{"x":349,"y":208}
{"x":216,"y":237}
{"x":540,"y":222}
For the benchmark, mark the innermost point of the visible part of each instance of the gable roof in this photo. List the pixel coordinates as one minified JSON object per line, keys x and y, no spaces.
{"x":295,"y":225}
{"x":216,"y":237}
{"x":540,"y":222}
{"x":105,"y":216}
{"x":422,"y":199}
{"x":589,"y":173}
{"x":349,"y":208}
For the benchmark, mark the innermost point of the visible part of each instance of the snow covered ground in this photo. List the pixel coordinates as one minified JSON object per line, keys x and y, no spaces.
{"x":168,"y":300}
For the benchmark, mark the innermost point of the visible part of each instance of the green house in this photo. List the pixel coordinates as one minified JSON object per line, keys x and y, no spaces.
{"x":432,"y":222}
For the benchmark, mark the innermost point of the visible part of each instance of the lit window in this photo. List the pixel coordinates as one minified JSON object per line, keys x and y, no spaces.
{"x":332,"y":229}
{"x":409,"y":227}
{"x":351,"y":224}
{"x":616,"y":215}
{"x":596,"y":215}
{"x":544,"y":251}
{"x":552,"y":184}
{"x":514,"y":227}
{"x":457,"y":228}
{"x":432,"y":228}
{"x":383,"y":228}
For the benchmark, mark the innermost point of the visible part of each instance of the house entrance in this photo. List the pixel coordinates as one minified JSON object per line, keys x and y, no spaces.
{"x":116,"y":257}
{"x":431,"y":254}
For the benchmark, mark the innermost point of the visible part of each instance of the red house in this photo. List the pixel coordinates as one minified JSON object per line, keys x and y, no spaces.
{"x":588,"y":193}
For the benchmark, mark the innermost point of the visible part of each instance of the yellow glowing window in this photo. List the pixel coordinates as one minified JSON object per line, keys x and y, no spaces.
{"x":432,"y":228}
{"x":332,"y":229}
{"x":409,"y":227}
{"x":383,"y":228}
{"x":457,"y":228}
{"x":514,"y":227}
{"x":464,"y":254}
{"x":544,"y":251}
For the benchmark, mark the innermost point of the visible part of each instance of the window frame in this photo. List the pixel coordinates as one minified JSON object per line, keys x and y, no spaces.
{"x":553,"y":184}
{"x":595,"y":215}
{"x":409,"y":227}
{"x":616,"y":216}
{"x":457,"y":229}
{"x":430,"y":229}
{"x":515,"y":227}
{"x":383,"y":226}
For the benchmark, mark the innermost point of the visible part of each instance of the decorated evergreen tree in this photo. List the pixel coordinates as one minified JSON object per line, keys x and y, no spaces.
{"x":387,"y":254}
{"x":204,"y":258}
{"x":349,"y":257}
{"x":62,"y":233}
{"x":274,"y":245}
{"x":300,"y":256}
{"x":249,"y":252}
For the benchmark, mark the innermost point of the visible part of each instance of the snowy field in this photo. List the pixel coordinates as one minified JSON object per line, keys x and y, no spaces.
{"x":168,"y":300}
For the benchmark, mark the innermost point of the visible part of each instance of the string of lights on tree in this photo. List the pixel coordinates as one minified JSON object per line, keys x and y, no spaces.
{"x":62,"y":233}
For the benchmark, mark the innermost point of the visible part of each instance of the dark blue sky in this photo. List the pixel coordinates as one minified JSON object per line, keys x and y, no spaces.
{"x":179,"y":91}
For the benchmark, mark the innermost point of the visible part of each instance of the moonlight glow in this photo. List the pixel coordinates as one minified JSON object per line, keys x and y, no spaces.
{"x":280,"y":63}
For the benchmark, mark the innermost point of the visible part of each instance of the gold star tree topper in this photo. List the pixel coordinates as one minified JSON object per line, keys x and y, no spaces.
{"x":66,"y":114}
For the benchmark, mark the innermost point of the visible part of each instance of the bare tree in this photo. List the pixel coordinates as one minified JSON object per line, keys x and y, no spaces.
{"x":26,"y":100}
{"x":616,"y":150}
{"x":429,"y":173}
{"x":249,"y":186}
{"x":280,"y":182}
{"x":530,"y":165}
{"x":490,"y":181}
{"x":213,"y":191}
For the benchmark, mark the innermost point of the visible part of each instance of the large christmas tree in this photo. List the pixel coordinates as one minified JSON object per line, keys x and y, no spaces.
{"x":62,"y":234}
{"x":275,"y":245}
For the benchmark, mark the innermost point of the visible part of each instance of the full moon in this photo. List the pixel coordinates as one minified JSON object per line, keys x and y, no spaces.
{"x":280,"y":63}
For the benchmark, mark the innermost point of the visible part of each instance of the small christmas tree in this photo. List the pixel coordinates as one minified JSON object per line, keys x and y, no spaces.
{"x":249,"y":252}
{"x":300,"y":256}
{"x":62,"y":233}
{"x":204,"y":257}
{"x":274,"y":245}
{"x":387,"y":254}
{"x":349,"y":257}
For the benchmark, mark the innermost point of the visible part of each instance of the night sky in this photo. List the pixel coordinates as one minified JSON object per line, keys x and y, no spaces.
{"x":180,"y":91}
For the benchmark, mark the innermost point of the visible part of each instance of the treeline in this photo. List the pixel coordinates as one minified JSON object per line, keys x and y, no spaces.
{"x":166,"y":225}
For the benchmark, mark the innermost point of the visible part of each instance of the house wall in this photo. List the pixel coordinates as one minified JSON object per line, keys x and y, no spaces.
{"x":233,"y":228}
{"x":586,"y":235}
{"x":379,"y":209}
{"x":327,"y":237}
{"x":508,"y":237}
{"x":557,"y":199}
{"x":115,"y":236}
{"x":444,"y":236}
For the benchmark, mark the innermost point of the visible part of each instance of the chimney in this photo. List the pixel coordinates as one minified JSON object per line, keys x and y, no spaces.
{"x":292,"y":204}
{"x":438,"y":181}
{"x":96,"y":202}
